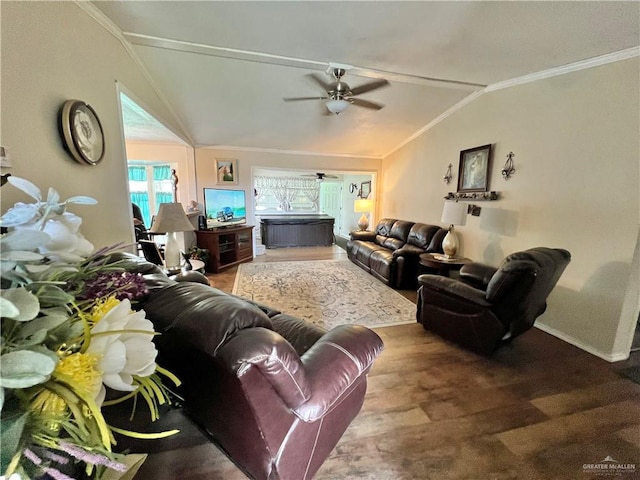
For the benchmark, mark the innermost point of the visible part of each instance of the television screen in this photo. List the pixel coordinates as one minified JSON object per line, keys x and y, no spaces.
{"x":224,"y":207}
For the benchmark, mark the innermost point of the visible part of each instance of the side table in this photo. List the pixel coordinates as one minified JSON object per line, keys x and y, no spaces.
{"x":442,"y":264}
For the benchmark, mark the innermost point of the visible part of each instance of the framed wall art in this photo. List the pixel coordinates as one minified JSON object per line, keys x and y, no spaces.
{"x":473,"y":175}
{"x":365,"y":189}
{"x":226,"y":171}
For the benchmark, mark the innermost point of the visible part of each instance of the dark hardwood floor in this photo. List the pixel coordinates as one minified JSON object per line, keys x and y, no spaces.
{"x":538,"y":409}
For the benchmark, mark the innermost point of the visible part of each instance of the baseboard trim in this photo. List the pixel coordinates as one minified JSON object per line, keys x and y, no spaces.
{"x":609,"y":357}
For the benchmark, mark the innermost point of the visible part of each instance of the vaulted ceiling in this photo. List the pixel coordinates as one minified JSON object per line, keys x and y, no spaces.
{"x":225,"y":67}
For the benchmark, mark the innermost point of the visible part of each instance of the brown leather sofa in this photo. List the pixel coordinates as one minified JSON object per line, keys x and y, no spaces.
{"x":391,"y":252}
{"x":489,"y":306}
{"x":275,"y":393}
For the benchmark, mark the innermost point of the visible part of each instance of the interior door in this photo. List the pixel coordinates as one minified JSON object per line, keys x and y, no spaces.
{"x":331,"y":202}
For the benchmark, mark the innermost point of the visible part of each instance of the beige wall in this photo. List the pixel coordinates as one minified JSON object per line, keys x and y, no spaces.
{"x":247,"y":160}
{"x":45,"y":61}
{"x":576,"y":186}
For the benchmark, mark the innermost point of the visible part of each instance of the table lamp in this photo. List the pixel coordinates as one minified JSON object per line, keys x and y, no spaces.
{"x":453,"y":213}
{"x":170,"y":220}
{"x":363,"y":205}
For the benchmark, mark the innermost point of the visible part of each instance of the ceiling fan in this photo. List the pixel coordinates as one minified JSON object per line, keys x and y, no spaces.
{"x":319,"y":176}
{"x":339,"y":95}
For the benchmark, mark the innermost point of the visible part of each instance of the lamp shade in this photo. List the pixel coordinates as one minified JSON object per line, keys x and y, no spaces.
{"x":171,"y":218}
{"x":363,"y":205}
{"x":454,"y":213}
{"x":337,"y":105}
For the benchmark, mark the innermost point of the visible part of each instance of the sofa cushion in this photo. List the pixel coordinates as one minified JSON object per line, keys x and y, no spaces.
{"x":400,"y":230}
{"x":435,"y":246}
{"x":384,"y":226}
{"x":421,"y":235}
{"x":204,"y":315}
{"x":381,"y":262}
{"x":389,"y":242}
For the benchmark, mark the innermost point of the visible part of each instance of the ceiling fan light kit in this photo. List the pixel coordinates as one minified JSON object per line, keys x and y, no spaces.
{"x":339,"y":95}
{"x":337,"y":106}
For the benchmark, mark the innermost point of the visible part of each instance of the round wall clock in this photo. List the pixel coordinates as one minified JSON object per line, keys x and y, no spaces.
{"x":82,"y":132}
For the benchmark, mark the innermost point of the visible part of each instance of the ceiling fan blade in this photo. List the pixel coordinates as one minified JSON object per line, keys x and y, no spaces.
{"x":296,"y":99}
{"x":366,"y":103}
{"x":368,"y":87}
{"x":317,"y":78}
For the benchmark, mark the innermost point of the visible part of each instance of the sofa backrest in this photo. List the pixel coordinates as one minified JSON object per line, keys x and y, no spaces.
{"x":427,"y":237}
{"x":205,"y":315}
{"x":529,"y":275}
{"x":392,"y":233}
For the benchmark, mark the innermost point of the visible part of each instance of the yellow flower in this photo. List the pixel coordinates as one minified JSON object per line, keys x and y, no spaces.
{"x":102,"y":308}
{"x":79,"y":369}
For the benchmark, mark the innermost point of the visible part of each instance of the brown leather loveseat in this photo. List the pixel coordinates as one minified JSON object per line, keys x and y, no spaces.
{"x":391,"y":252}
{"x":274,"y":392}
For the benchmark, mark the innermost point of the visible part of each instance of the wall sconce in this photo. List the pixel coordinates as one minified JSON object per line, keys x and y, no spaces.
{"x":354,"y":188}
{"x":508,"y":169}
{"x":449,"y":175}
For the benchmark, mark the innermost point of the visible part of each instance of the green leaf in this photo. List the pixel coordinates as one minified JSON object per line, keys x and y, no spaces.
{"x":26,"y":302}
{"x":45,"y":351}
{"x":8,"y":309}
{"x":19,"y":215}
{"x":53,"y":197}
{"x":11,"y":429}
{"x":80,"y":199}
{"x":53,"y":296}
{"x":26,"y":186}
{"x":21,"y":256}
{"x":34,"y":338}
{"x":24,"y":368}
{"x":46,"y":323}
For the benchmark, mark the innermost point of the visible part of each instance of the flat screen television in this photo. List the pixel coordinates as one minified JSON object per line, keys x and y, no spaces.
{"x":224,"y":208}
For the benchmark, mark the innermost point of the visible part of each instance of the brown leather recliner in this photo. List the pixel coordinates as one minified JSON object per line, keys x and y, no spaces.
{"x":487,"y":306}
{"x":274,"y":392}
{"x":391,"y":253}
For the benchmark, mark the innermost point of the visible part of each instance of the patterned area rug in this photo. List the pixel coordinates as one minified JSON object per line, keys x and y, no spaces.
{"x":324,"y":292}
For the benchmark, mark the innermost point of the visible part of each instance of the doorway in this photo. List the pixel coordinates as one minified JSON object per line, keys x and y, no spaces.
{"x":331,"y":203}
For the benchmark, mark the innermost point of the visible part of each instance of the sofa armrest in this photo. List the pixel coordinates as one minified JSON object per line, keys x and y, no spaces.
{"x":334,"y":365}
{"x":363,"y":235}
{"x":477,"y":274}
{"x":273,"y":356}
{"x":408,"y":250}
{"x":454,"y":288}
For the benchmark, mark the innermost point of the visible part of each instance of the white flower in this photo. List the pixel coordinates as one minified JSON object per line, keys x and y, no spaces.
{"x":121,"y":355}
{"x":65,"y":240}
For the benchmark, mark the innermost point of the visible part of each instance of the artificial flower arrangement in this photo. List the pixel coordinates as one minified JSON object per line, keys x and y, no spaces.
{"x":68,"y":332}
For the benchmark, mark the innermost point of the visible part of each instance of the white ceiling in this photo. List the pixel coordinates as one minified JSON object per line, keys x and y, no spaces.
{"x":224,"y":67}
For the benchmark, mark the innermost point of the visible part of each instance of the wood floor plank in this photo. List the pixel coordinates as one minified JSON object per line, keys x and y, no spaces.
{"x":538,"y":409}
{"x":579,"y":427}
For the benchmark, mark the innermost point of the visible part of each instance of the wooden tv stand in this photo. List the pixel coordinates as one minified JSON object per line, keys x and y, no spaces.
{"x":227,"y":246}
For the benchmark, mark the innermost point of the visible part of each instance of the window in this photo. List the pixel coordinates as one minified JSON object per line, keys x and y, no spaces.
{"x":149,"y":186}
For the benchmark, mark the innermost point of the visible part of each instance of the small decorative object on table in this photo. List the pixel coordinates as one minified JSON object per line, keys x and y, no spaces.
{"x":364,"y":206}
{"x":68,"y":333}
{"x":453,"y":213}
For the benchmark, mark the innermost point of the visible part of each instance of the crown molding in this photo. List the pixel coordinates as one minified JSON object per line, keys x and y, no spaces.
{"x":569,"y":68}
{"x":254,"y":56}
{"x":286,"y":152}
{"x":447,"y":113}
{"x":552,"y":72}
{"x":96,"y":14}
